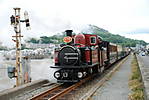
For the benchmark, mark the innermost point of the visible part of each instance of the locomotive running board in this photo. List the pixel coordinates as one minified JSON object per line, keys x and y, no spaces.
{"x":82,"y":66}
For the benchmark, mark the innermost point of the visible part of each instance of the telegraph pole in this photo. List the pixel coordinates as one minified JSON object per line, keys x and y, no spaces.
{"x":16,"y":22}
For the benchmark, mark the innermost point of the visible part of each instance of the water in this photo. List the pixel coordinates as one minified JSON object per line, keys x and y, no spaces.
{"x":40,"y":69}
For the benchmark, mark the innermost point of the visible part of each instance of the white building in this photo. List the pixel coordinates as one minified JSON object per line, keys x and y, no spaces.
{"x":147,"y":47}
{"x":1,"y":43}
{"x":35,"y":46}
{"x":138,"y":46}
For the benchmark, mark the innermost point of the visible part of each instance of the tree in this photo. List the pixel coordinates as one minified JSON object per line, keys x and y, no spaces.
{"x":33,"y":40}
{"x":117,"y":39}
{"x":45,"y":40}
{"x":104,"y":34}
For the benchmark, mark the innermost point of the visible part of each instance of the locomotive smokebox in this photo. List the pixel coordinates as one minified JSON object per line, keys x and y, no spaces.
{"x":69,"y":32}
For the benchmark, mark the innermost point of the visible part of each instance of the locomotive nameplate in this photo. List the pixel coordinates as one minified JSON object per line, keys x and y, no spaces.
{"x":69,"y":56}
{"x":71,"y":53}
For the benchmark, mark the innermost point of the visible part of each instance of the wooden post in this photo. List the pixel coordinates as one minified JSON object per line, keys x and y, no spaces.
{"x":17,"y":29}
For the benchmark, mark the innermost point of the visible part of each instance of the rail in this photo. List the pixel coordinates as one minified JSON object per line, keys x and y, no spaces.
{"x":58,"y":91}
{"x":61,"y":90}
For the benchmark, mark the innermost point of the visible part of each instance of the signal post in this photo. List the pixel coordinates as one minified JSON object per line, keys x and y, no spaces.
{"x":19,"y":69}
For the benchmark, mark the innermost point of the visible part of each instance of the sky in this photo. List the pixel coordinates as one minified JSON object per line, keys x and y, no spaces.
{"x":129,"y":18}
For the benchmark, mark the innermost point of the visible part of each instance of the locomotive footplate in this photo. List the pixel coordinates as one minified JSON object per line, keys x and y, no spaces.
{"x":82,"y":66}
{"x":70,"y":75}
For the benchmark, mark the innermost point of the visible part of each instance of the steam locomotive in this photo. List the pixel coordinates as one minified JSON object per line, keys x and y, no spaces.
{"x":83,"y":55}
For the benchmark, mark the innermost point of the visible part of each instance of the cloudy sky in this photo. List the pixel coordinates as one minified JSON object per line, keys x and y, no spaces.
{"x":128,"y":18}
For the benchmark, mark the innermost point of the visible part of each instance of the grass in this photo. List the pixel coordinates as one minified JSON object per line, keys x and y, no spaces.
{"x":135,"y":82}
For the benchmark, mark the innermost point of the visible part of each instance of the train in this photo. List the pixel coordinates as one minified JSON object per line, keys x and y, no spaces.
{"x":83,"y":54}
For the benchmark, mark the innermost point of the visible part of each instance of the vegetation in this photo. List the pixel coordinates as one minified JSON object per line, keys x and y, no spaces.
{"x":33,"y":40}
{"x":104,"y":34}
{"x":3,"y":48}
{"x":117,"y":39}
{"x":135,"y":82}
{"x":46,"y":40}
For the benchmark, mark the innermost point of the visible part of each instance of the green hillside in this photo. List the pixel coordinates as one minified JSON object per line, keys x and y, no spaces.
{"x":104,"y":34}
{"x":117,"y":39}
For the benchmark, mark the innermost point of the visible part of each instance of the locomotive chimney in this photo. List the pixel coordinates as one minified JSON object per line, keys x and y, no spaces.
{"x":69,"y":32}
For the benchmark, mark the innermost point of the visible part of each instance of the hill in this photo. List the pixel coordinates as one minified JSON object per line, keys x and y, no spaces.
{"x":117,"y":39}
{"x":104,"y":34}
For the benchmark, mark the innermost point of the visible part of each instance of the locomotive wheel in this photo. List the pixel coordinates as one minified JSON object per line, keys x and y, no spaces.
{"x":99,"y":70}
{"x":95,"y":69}
{"x":90,"y":71}
{"x":102,"y":69}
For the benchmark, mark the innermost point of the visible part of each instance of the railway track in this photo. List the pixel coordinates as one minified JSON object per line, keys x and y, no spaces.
{"x":61,"y":92}
{"x":58,"y":91}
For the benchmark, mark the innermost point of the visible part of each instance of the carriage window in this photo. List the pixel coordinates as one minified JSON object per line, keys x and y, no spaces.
{"x":93,"y":40}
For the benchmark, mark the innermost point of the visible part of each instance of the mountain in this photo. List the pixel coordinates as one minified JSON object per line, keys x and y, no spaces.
{"x":117,"y":39}
{"x":92,"y":29}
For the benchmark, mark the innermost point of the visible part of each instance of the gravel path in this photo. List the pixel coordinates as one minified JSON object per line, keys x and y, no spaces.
{"x":117,"y":87}
{"x":29,"y":94}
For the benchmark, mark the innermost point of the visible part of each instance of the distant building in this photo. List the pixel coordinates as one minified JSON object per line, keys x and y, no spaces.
{"x":1,"y":44}
{"x":138,"y":46}
{"x":35,"y":46}
{"x":147,"y":47}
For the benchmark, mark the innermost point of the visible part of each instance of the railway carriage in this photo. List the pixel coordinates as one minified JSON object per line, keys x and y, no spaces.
{"x":83,"y":55}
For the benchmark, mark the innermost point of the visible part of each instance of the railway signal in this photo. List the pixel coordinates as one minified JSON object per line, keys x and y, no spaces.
{"x":12,"y":19}
{"x":21,"y":74}
{"x":26,"y":17}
